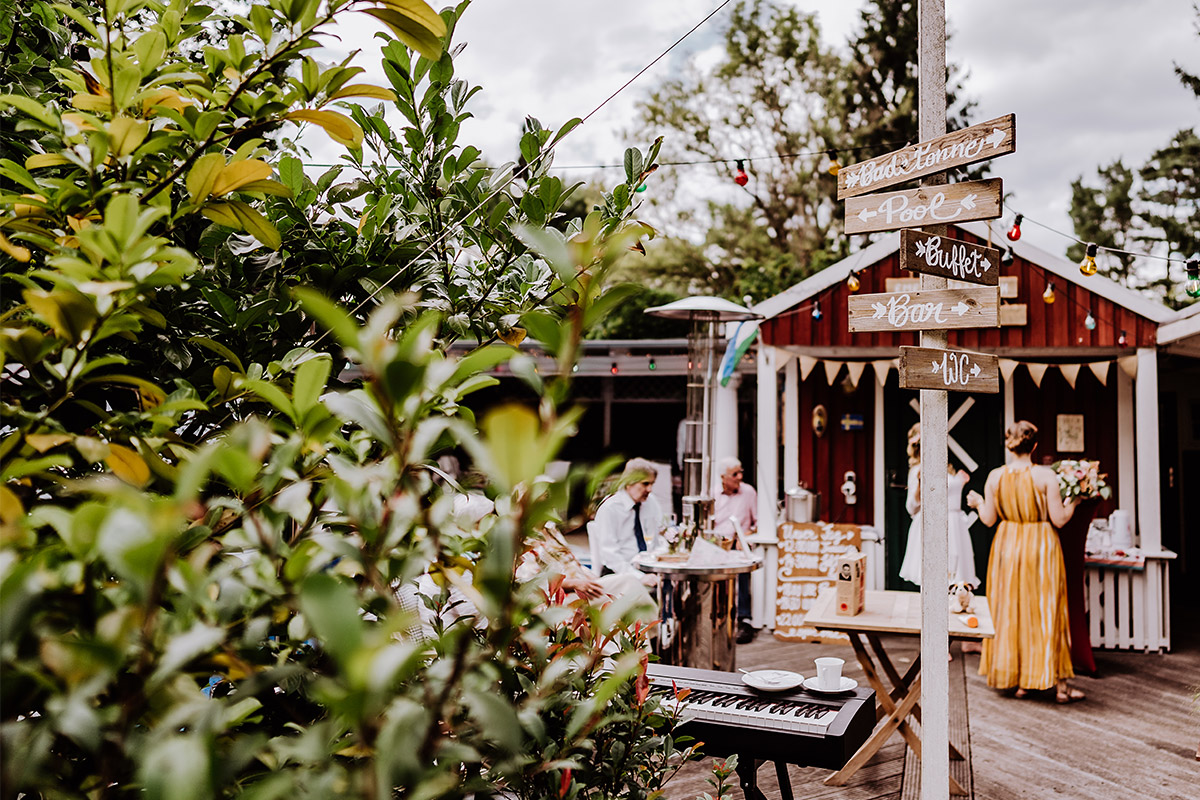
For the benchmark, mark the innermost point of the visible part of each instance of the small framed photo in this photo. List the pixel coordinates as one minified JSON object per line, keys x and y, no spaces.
{"x":1070,"y":433}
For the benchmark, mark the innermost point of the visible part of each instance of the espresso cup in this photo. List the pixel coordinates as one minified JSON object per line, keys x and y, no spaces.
{"x":829,"y":673}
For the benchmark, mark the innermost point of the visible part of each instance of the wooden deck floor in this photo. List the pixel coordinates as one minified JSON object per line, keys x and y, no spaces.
{"x":1134,"y":737}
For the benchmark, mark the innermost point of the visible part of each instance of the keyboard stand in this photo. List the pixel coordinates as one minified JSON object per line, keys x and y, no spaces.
{"x":747,"y":770}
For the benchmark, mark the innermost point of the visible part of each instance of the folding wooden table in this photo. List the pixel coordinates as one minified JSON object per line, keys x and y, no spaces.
{"x":895,"y":613}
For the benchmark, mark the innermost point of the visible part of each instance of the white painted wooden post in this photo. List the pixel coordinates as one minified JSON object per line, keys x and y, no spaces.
{"x":1126,"y":467}
{"x":879,"y":471}
{"x":791,"y":423}
{"x":725,"y":421}
{"x":1149,"y":517}
{"x":935,"y":603}
{"x":762,"y":581}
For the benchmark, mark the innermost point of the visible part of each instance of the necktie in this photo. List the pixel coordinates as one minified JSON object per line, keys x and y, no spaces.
{"x":637,"y":527}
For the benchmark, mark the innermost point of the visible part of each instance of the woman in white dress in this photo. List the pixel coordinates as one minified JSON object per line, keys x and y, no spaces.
{"x":961,"y":561}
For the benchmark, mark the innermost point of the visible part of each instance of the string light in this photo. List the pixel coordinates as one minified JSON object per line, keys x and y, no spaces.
{"x":853,"y":283}
{"x":834,"y":167}
{"x":740,"y":177}
{"x":614,"y":369}
{"x":652,"y":365}
{"x":1192,"y":287}
{"x":1090,"y":322}
{"x":1122,"y":340}
{"x":1014,"y":233}
{"x":1048,"y":296}
{"x":1088,"y":265}
{"x":816,"y":312}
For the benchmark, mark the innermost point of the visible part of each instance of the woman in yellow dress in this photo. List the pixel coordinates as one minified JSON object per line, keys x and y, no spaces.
{"x":1026,"y":579}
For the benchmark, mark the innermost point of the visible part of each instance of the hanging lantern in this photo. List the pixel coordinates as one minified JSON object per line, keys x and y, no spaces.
{"x":834,"y":167}
{"x":1192,"y":287}
{"x":1088,"y":265}
{"x":853,"y":283}
{"x":1014,"y":233}
{"x":1089,"y":322}
{"x":1048,"y":296}
{"x":740,"y":177}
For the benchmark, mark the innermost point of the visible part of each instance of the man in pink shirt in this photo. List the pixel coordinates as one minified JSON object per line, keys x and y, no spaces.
{"x":734,"y":511}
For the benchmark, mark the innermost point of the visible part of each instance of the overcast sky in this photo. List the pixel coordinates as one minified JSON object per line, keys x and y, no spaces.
{"x":1090,"y":81}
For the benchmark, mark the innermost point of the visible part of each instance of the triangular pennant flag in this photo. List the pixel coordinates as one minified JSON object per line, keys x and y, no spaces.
{"x":855,"y":368}
{"x":1007,"y":367}
{"x":1128,"y":365}
{"x":1100,"y":370}
{"x":806,"y":366}
{"x":832,"y":368}
{"x":881,"y":370}
{"x":1070,"y":372}
{"x":1036,"y":371}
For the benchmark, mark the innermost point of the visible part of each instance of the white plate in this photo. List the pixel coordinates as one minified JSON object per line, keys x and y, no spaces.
{"x":772,"y":680}
{"x":847,"y":685}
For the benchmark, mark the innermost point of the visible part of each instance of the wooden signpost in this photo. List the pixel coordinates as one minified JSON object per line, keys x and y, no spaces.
{"x":939,"y":309}
{"x":950,"y":370}
{"x":967,"y":146}
{"x":950,"y":258}
{"x":930,"y":205}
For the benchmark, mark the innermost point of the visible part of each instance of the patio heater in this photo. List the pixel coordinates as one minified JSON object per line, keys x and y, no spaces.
{"x":704,"y":359}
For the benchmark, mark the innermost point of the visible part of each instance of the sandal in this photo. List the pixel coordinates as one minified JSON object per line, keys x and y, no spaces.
{"x":1069,"y":695}
{"x":1021,"y":694}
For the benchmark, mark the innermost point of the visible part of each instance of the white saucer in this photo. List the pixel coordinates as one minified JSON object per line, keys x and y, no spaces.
{"x":772,"y":680}
{"x":847,"y":685}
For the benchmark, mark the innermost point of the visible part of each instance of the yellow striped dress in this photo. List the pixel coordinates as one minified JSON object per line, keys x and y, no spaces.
{"x":1026,"y":591}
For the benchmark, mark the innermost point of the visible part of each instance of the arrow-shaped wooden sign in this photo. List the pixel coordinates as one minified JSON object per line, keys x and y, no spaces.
{"x":930,"y":205}
{"x":977,"y":143}
{"x":951,"y":258}
{"x":937,"y":309}
{"x":952,"y":370}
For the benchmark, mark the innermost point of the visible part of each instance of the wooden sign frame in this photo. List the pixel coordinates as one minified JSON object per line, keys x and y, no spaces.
{"x":929,"y":205}
{"x":980,"y":142}
{"x":949,"y":370}
{"x":939,"y":309}
{"x":950,"y":258}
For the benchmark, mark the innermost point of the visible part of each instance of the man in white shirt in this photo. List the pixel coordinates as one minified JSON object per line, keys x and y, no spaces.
{"x":735,"y":510}
{"x":629,"y":520}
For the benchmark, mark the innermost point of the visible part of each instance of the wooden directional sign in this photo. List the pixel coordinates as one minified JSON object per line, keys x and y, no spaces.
{"x":938,"y":309}
{"x":952,"y":370}
{"x":929,"y":205}
{"x":976,"y":143}
{"x":950,"y":258}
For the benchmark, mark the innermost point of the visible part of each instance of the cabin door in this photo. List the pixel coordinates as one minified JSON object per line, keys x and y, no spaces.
{"x":976,"y":444}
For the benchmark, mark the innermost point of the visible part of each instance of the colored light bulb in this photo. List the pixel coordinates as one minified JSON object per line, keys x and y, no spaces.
{"x":1192,"y":287}
{"x":740,"y":177}
{"x":816,"y":312}
{"x":1122,"y":340}
{"x":853,"y":283}
{"x":1088,"y":265}
{"x":834,"y":167}
{"x":1090,"y":322}
{"x":653,"y":366}
{"x":1048,"y":296}
{"x":614,"y":369}
{"x":1014,"y":233}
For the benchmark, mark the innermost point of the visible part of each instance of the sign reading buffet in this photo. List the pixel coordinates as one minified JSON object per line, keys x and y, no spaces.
{"x":967,"y":146}
{"x":950,"y":258}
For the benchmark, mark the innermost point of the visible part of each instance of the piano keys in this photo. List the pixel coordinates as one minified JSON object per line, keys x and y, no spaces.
{"x":794,"y":727}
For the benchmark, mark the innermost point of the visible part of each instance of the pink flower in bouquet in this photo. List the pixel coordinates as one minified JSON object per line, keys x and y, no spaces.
{"x":1081,"y":480}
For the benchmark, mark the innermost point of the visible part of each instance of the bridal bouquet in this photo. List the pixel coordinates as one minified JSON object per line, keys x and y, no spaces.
{"x":1081,"y":480}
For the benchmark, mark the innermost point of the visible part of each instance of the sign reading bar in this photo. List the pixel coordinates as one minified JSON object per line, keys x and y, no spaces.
{"x":925,"y":311}
{"x":952,"y":370}
{"x":967,"y":146}
{"x":950,"y":258}
{"x":929,"y":205}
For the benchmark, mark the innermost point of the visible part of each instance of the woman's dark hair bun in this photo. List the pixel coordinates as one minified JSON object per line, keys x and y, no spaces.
{"x":1020,"y":437}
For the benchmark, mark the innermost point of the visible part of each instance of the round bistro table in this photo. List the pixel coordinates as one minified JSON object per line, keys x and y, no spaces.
{"x":702,"y":601}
